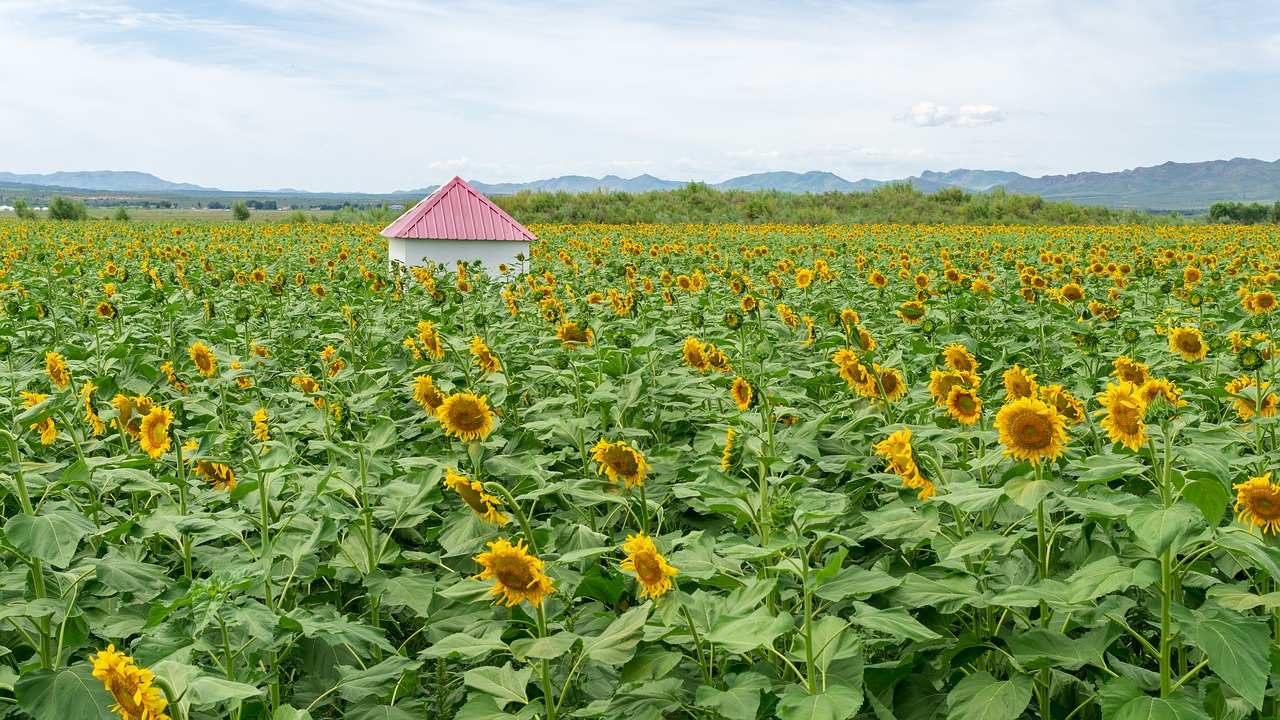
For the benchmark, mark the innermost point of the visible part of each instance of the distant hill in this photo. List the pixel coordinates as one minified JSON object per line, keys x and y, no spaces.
{"x":122,"y":181}
{"x":1171,"y":186}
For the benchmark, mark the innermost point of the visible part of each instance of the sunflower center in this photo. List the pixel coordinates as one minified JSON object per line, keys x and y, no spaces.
{"x":966,"y":404}
{"x":1125,"y":419}
{"x":513,"y":572}
{"x":1034,"y":431}
{"x":473,"y":499}
{"x":466,"y":417}
{"x":648,"y":568}
{"x":621,"y":461}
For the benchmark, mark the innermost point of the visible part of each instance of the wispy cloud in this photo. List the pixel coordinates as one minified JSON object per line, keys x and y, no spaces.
{"x":927,"y":114}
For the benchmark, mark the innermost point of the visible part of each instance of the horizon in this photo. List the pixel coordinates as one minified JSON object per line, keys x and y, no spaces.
{"x":277,"y":93}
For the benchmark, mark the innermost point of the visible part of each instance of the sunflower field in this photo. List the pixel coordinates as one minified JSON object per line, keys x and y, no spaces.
{"x":820,"y":473}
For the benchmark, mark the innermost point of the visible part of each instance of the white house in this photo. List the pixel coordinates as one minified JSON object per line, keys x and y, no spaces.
{"x":457,"y":222}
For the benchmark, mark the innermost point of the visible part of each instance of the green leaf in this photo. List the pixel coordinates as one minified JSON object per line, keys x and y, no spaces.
{"x":208,"y":690}
{"x":1105,"y":468}
{"x":617,"y":643}
{"x":70,"y":693}
{"x":897,"y":522}
{"x":1211,"y":496}
{"x":1237,"y":651}
{"x":650,"y":663}
{"x":837,"y":703}
{"x":744,"y":634}
{"x":947,"y":595}
{"x":854,"y":581}
{"x":980,"y":542}
{"x":1041,"y":648}
{"x":382,"y":436}
{"x":552,"y":646}
{"x":51,"y":536}
{"x":1110,"y":575}
{"x":502,"y":684}
{"x":645,"y":701}
{"x":462,"y":645}
{"x":1158,"y":528}
{"x":1173,"y":707}
{"x":378,"y":680}
{"x":981,"y":697}
{"x":892,"y":621}
{"x":1117,"y":693}
{"x":740,"y":702}
{"x":288,"y":712}
{"x":1027,"y":492}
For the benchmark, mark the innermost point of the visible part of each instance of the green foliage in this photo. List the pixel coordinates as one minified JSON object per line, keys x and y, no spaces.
{"x":1241,"y":214}
{"x":381,"y":215}
{"x":121,"y":214}
{"x":23,"y":210}
{"x":240,"y":211}
{"x":297,"y":217}
{"x":61,"y":208}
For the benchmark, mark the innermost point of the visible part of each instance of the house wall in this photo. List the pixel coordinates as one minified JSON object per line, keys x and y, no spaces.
{"x":416,"y":252}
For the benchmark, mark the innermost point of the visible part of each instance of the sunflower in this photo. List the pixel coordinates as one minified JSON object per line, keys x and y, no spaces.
{"x":430,"y":339}
{"x":484,"y":357}
{"x":963,"y":404}
{"x":1158,"y":388}
{"x":56,"y":366}
{"x":105,"y":309}
{"x":849,"y":317}
{"x":647,"y":563}
{"x":1191,"y":275}
{"x":261,"y":430}
{"x":1123,"y":414}
{"x":1258,"y":503}
{"x":959,"y":358}
{"x":131,"y":411}
{"x":1071,"y":292}
{"x":216,"y":474}
{"x":749,"y":303}
{"x":516,"y":574}
{"x":426,"y":394}
{"x":896,"y":449}
{"x":731,"y":452}
{"x":717,"y":359}
{"x":1263,"y":301}
{"x":743,"y":394}
{"x":804,"y":278}
{"x":203,"y":357}
{"x":1188,"y":342}
{"x":941,"y":382}
{"x":878,"y":279}
{"x":90,"y":414}
{"x":1064,"y":402}
{"x":1129,"y":370}
{"x":1030,"y":430}
{"x":466,"y":416}
{"x":572,"y":336}
{"x":912,"y":311}
{"x":473,"y":494}
{"x":155,"y":431}
{"x":1246,"y":401}
{"x":865,"y":341}
{"x":695,"y":354}
{"x":1018,"y":383}
{"x":619,"y":460}
{"x":130,"y":685}
{"x":48,"y":431}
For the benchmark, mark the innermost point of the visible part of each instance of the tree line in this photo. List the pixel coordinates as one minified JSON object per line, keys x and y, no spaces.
{"x":1241,"y":214}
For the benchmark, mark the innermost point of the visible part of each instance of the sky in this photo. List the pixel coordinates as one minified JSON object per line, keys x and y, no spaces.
{"x":384,"y":95}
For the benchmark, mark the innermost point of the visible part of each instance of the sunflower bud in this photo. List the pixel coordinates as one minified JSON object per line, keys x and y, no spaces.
{"x":732,"y":320}
{"x":1249,"y":358}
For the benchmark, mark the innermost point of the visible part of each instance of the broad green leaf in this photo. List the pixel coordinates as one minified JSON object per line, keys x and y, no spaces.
{"x":378,"y":680}
{"x":502,"y":684}
{"x":70,"y":693}
{"x":617,"y":643}
{"x":552,"y":646}
{"x":981,"y":542}
{"x":836,"y":703}
{"x":1027,"y":492}
{"x":1157,"y":528}
{"x":288,"y":712}
{"x":1110,"y":575}
{"x":462,"y":645}
{"x":744,"y":634}
{"x":1237,"y":651}
{"x":1096,"y":469}
{"x":650,"y":663}
{"x":1173,"y":707}
{"x":52,"y":536}
{"x":646,"y":701}
{"x":898,"y":522}
{"x":1210,"y":496}
{"x":856,"y":581}
{"x":740,"y":702}
{"x":891,"y":621}
{"x":208,"y":690}
{"x":981,"y":697}
{"x":946,"y":594}
{"x":1040,"y":648}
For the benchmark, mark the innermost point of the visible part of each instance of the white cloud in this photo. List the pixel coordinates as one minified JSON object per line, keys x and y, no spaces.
{"x":927,"y":114}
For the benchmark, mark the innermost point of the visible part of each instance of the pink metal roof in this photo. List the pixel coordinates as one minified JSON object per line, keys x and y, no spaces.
{"x":457,"y":211}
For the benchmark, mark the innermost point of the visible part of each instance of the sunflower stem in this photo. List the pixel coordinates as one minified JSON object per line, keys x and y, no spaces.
{"x":497,"y":489}
{"x":545,"y":670}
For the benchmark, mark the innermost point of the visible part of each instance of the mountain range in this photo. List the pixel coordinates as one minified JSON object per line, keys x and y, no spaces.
{"x":1170,"y":186}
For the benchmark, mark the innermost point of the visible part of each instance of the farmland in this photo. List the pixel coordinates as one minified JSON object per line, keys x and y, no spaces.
{"x":707,"y":471}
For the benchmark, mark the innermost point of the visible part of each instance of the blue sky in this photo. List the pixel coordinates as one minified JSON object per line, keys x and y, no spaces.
{"x":381,"y":95}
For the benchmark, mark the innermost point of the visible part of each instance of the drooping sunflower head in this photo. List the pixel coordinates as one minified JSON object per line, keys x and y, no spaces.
{"x":1030,"y":430}
{"x":1122,"y":417}
{"x":473,"y":494}
{"x":1188,"y":342}
{"x":56,"y":367}
{"x":154,"y":432}
{"x":1163,"y":393}
{"x":1064,"y":402}
{"x":1246,"y":400}
{"x":516,"y":574}
{"x":891,"y":386}
{"x":466,"y":416}
{"x":912,"y":311}
{"x":620,"y":461}
{"x":484,"y":357}
{"x":261,"y":430}
{"x":941,"y":382}
{"x":203,"y":357}
{"x":964,"y":405}
{"x":130,"y":685}
{"x":959,"y":358}
{"x":218,"y":475}
{"x":572,"y":336}
{"x":732,"y":451}
{"x":1019,"y":383}
{"x":647,"y":563}
{"x":105,"y":309}
{"x":426,"y":394}
{"x":1129,"y":370}
{"x":743,"y":394}
{"x":1258,"y":503}
{"x":695,"y":354}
